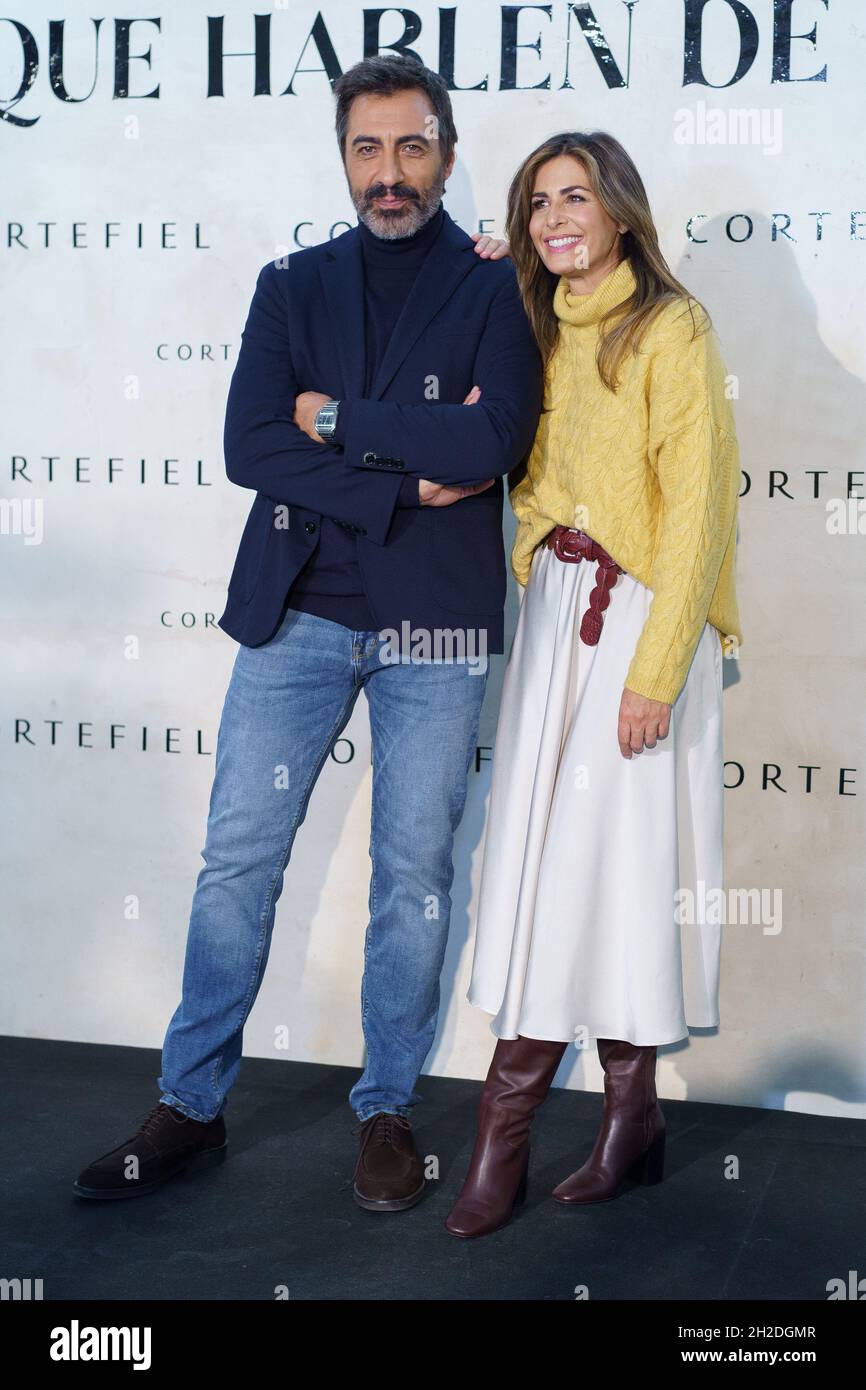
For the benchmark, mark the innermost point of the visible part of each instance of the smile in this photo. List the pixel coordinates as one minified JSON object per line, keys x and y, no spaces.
{"x":559,"y":242}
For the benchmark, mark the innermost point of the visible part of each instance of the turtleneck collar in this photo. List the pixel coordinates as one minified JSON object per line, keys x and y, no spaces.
{"x":590,"y":308}
{"x":423,"y":239}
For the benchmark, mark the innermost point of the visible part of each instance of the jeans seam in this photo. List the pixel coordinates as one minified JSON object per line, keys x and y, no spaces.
{"x":371,"y":905}
{"x":372,"y":909}
{"x":256,"y":974}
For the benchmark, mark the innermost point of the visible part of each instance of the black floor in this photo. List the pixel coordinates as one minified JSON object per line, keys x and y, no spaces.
{"x":280,"y":1212}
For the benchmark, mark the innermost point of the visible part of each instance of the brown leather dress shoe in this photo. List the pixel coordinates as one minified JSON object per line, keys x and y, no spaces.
{"x":167,"y":1143}
{"x":389,"y":1174}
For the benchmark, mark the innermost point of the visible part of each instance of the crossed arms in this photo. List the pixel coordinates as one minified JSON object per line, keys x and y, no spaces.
{"x":265,"y":450}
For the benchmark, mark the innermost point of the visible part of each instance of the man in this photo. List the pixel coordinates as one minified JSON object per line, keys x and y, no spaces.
{"x":386,"y":381}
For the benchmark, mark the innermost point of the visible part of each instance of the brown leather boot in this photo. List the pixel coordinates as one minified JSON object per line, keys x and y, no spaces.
{"x":389,"y":1174}
{"x":518,"y":1080}
{"x":631,"y":1141}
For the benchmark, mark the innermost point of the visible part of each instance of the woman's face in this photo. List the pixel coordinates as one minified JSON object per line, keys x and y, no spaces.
{"x":569,"y":228}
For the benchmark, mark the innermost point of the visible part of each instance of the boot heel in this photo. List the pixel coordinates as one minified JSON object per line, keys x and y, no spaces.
{"x":649,"y":1168}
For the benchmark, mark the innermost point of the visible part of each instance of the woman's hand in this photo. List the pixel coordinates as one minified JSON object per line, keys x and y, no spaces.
{"x":439,"y":495}
{"x":641,"y":722}
{"x":490,"y":248}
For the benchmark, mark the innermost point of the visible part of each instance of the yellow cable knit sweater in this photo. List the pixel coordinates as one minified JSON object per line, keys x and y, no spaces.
{"x":650,"y":472}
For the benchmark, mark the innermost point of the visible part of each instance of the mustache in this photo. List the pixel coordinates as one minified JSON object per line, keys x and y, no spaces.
{"x":400,"y":190}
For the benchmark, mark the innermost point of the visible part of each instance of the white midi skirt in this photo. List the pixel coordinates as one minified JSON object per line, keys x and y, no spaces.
{"x":580,"y":932}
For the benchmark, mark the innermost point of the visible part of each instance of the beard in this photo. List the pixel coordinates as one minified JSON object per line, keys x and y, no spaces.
{"x":391,"y":223}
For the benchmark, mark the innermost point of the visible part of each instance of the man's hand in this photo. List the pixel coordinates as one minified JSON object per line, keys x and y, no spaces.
{"x":437,"y":494}
{"x":490,"y":248}
{"x":307,"y":406}
{"x":641,"y":722}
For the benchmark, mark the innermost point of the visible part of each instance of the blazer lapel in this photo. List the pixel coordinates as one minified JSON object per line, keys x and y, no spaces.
{"x":342,"y":276}
{"x":449,"y":259}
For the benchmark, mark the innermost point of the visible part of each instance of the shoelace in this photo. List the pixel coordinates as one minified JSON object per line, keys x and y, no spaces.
{"x":382,"y":1130}
{"x":153,"y":1118}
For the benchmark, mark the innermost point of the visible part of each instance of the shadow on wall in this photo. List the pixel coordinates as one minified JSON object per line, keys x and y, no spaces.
{"x":767,"y":322}
{"x":795,"y":392}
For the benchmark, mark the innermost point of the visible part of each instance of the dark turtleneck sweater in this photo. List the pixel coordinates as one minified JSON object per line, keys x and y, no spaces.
{"x":330,"y":585}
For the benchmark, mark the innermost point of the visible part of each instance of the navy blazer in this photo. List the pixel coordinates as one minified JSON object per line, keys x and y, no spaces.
{"x":462,"y":325}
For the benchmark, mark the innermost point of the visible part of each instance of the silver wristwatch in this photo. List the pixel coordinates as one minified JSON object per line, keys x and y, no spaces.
{"x":326,"y":418}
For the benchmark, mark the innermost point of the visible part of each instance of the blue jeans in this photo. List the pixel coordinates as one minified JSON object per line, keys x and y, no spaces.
{"x":287,"y":702}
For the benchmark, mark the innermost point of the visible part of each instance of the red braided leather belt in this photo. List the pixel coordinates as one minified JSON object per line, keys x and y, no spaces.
{"x":575,"y":546}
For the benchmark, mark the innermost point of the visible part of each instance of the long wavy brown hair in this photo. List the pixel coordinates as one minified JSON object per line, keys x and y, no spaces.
{"x":619,"y":188}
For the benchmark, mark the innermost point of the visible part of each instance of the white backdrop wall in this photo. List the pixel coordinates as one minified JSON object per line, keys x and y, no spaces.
{"x":140,"y":198}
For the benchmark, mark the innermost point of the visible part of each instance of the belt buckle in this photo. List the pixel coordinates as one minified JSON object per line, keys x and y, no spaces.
{"x":568,"y":544}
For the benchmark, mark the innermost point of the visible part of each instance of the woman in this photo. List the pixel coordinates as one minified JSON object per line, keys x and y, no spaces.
{"x":606,"y":792}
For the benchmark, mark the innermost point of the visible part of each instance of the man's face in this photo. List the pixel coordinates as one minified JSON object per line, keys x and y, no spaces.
{"x":393,"y":163}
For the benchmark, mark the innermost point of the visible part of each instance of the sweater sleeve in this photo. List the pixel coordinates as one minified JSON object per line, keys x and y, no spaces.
{"x":693,"y":453}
